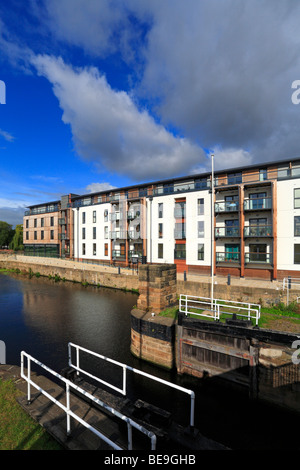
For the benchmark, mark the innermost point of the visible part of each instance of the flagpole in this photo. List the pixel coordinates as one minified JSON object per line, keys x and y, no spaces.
{"x":212,"y":230}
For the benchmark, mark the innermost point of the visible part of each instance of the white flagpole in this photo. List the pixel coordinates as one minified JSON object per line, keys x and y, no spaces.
{"x":212,"y":230}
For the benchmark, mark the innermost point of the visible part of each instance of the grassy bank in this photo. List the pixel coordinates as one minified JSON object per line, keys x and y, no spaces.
{"x":18,"y":431}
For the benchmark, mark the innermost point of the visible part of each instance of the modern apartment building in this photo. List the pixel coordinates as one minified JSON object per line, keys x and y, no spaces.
{"x":253,"y":231}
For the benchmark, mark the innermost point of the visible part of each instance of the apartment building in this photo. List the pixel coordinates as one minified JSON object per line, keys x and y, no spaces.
{"x":246,"y":224}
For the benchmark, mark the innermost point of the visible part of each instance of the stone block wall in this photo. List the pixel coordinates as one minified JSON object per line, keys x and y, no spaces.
{"x":157,"y":287}
{"x":152,"y":338}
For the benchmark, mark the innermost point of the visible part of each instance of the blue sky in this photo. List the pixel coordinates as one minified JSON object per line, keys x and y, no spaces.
{"x":104,"y":94}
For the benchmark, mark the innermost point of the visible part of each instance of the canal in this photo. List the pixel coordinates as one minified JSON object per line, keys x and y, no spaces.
{"x":40,"y":316}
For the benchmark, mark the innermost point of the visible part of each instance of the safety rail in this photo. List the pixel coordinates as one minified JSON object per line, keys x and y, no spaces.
{"x":67,"y":408}
{"x":189,"y":304}
{"x":287,"y":284}
{"x":126,"y":368}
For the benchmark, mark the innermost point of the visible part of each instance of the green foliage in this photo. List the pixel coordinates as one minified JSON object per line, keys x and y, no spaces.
{"x":6,"y":234}
{"x":17,"y":241}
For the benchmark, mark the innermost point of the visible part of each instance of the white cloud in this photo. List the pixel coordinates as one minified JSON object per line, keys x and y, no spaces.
{"x":108,"y":128}
{"x":98,"y":187}
{"x":6,"y":135}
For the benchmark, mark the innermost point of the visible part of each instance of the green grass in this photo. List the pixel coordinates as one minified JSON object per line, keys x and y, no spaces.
{"x":18,"y":431}
{"x":170,"y":312}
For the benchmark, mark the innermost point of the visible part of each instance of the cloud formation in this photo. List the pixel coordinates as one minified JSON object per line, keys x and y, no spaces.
{"x":108,"y":128}
{"x":218,"y":72}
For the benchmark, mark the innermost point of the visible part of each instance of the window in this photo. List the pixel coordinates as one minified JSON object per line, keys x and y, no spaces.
{"x":52,"y":234}
{"x":42,"y":222}
{"x":35,"y":235}
{"x":297,"y":226}
{"x":235,"y":178}
{"x":83,"y":217}
{"x":283,"y":172}
{"x":179,"y":212}
{"x":200,"y":229}
{"x":200,"y":251}
{"x":160,"y":251}
{"x":263,"y":175}
{"x":106,"y":232}
{"x":51,"y":221}
{"x":27,"y":235}
{"x":83,"y":248}
{"x":27,"y":223}
{"x":94,"y":217}
{"x":105,"y":249}
{"x":296,"y":198}
{"x":35,"y":223}
{"x":179,"y":232}
{"x":94,"y":233}
{"x":202,"y":183}
{"x":105,"y":215}
{"x":160,"y":210}
{"x":179,"y":252}
{"x":160,"y":230}
{"x":200,"y":206}
{"x":297,"y":253}
{"x":94,"y":249}
{"x":83,"y":233}
{"x":42,"y":234}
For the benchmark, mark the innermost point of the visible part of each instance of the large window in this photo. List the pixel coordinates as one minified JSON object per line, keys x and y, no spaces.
{"x":180,"y":252}
{"x":297,"y":253}
{"x":296,"y":198}
{"x":200,"y":251}
{"x":200,"y":206}
{"x":200,"y":229}
{"x":297,"y":226}
{"x":234,"y":178}
{"x":160,"y":210}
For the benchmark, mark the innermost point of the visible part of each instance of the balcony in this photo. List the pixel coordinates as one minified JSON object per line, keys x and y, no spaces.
{"x":179,"y":234}
{"x":122,"y":235}
{"x":258,"y":231}
{"x":63,"y":236}
{"x":115,"y":216}
{"x":222,"y":207}
{"x":118,"y":254}
{"x":62,"y":221}
{"x":179,"y":212}
{"x":257,"y":204}
{"x":134,"y":234}
{"x":258,"y":258}
{"x":229,"y":232}
{"x":231,"y":257}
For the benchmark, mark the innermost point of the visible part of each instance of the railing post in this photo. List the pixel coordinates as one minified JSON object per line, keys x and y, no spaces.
{"x":129,"y":429}
{"x":186,"y":306}
{"x":77,"y":359}
{"x":28,"y":380}
{"x":68,"y":409}
{"x":192,"y":410}
{"x":124,"y":379}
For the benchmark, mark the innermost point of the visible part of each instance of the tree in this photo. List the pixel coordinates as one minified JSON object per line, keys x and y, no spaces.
{"x":17,"y":241}
{"x":6,"y":234}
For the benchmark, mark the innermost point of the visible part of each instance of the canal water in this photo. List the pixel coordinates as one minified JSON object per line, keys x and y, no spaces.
{"x":41,"y":316}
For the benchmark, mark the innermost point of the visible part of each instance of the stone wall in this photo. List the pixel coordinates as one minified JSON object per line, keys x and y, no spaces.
{"x":153,"y":338}
{"x":157,"y":287}
{"x":76,"y":272}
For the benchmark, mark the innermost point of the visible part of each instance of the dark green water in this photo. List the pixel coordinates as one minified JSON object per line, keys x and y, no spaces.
{"x":40,"y":317}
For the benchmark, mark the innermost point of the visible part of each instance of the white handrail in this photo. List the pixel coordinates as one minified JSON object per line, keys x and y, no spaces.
{"x":125,"y":367}
{"x":70,"y":413}
{"x":253,"y":310}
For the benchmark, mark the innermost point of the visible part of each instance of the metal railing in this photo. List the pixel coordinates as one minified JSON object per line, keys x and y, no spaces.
{"x":227,"y":257}
{"x":191,"y":305}
{"x":227,"y":231}
{"x":67,"y":407}
{"x":257,"y":204}
{"x":258,"y":231}
{"x":227,"y":206}
{"x":126,"y":368}
{"x":256,"y":257}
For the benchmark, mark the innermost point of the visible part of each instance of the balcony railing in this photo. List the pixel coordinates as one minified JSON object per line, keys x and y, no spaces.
{"x":179,"y":213}
{"x":179,"y":234}
{"x":118,"y":235}
{"x":228,"y":257}
{"x":232,"y":206}
{"x":258,"y":231}
{"x":63,"y":236}
{"x":118,"y":254}
{"x":255,"y":257}
{"x":115,"y":216}
{"x":62,"y":221}
{"x":227,"y":232}
{"x":257,"y":204}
